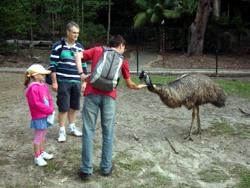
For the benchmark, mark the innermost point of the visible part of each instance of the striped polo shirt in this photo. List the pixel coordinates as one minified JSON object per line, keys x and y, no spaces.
{"x":62,"y":61}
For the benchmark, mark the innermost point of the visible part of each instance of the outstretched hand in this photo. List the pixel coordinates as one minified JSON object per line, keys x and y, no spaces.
{"x":142,"y":86}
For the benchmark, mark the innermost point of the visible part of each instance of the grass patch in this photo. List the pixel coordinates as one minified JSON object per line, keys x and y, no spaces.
{"x":4,"y":162}
{"x":160,"y":180}
{"x":244,"y":175}
{"x":154,"y":79}
{"x":241,"y":88}
{"x":242,"y":130}
{"x":136,"y":165}
{"x":72,"y":158}
{"x":123,"y":154}
{"x":237,"y":129}
{"x":156,"y":179}
{"x":222,"y":128}
{"x":213,"y":175}
{"x":52,"y":167}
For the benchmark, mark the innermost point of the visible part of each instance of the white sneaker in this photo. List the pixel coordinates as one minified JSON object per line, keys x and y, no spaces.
{"x":40,"y":161}
{"x":74,"y":131}
{"x":47,"y":156}
{"x":62,"y":136}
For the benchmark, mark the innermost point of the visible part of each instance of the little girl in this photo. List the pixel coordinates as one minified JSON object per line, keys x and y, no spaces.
{"x":41,"y":106}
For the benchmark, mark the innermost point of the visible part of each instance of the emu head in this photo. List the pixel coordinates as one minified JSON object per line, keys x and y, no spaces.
{"x":144,"y":76}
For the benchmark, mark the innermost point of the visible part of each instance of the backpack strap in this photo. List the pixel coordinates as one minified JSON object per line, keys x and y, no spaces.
{"x":105,"y":48}
{"x":63,"y":44}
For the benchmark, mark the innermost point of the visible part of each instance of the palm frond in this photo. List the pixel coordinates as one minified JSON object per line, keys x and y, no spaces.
{"x":171,"y":14}
{"x":154,"y":18}
{"x":140,"y":19}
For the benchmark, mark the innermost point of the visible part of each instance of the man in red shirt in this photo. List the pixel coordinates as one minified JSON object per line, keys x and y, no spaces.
{"x":96,"y":100}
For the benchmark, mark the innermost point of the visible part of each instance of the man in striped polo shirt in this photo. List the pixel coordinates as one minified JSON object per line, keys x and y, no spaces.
{"x":66,"y":80}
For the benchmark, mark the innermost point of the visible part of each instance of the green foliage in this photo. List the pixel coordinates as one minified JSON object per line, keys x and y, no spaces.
{"x":165,"y":10}
{"x":12,"y":20}
{"x":91,"y":32}
{"x":154,"y":12}
{"x":46,"y":19}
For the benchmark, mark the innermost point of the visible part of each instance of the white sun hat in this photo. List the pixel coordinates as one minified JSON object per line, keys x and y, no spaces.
{"x":37,"y":69}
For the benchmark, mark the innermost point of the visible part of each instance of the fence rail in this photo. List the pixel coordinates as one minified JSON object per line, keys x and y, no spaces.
{"x":148,"y":45}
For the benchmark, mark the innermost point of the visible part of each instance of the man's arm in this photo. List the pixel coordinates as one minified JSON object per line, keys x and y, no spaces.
{"x":130,"y":84}
{"x":54,"y":82}
{"x":78,"y":60}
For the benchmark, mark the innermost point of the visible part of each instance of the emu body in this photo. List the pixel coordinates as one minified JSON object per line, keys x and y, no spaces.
{"x":191,"y":91}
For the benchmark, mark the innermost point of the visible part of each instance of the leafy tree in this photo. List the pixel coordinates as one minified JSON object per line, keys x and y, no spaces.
{"x":46,"y":19}
{"x":12,"y":23}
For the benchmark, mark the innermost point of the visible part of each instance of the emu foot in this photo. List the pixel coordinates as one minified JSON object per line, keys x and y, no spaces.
{"x":197,"y":132}
{"x":187,"y":138}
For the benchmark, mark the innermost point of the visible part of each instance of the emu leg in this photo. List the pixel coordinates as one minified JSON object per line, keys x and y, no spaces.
{"x":188,"y":137}
{"x":198,"y":131}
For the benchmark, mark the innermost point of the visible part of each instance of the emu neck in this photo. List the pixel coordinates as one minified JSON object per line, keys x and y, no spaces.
{"x":169,"y":96}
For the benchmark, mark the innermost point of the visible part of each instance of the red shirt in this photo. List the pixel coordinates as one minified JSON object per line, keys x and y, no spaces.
{"x":94,"y":54}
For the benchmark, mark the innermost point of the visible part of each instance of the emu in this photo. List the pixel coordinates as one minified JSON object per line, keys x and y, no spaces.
{"x":190,"y":90}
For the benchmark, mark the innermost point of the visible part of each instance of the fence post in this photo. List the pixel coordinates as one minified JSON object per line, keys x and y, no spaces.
{"x":216,"y":63}
{"x":137,"y":52}
{"x":163,"y":41}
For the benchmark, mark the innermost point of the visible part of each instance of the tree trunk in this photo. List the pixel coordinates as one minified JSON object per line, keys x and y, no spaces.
{"x":216,"y":7}
{"x":198,"y":28}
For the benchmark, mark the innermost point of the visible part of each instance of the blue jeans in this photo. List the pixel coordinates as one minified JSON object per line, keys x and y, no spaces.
{"x":91,"y":106}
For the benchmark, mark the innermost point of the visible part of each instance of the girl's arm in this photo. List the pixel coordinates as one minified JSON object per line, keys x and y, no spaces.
{"x":50,"y":99}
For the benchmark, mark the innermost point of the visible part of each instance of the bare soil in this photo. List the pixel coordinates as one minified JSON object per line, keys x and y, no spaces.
{"x":143,"y":156}
{"x":181,"y":61}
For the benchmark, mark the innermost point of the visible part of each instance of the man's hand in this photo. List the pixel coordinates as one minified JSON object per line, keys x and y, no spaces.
{"x":54,"y":86}
{"x":84,"y":77}
{"x":141,"y":86}
{"x":83,"y":86}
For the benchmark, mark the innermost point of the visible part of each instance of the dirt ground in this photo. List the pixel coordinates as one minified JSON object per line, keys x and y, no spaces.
{"x":178,"y":60}
{"x":145,"y":132}
{"x":142,"y":155}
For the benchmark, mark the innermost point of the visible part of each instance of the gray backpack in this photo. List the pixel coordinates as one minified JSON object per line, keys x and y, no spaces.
{"x":107,"y":72}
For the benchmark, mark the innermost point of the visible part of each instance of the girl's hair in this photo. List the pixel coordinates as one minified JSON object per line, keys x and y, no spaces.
{"x":26,"y":79}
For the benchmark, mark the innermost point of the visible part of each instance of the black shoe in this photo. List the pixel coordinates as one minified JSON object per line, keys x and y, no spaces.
{"x":83,"y":176}
{"x":110,"y":172}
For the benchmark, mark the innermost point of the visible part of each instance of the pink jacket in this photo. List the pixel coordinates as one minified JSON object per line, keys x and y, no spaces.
{"x":39,"y":100}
